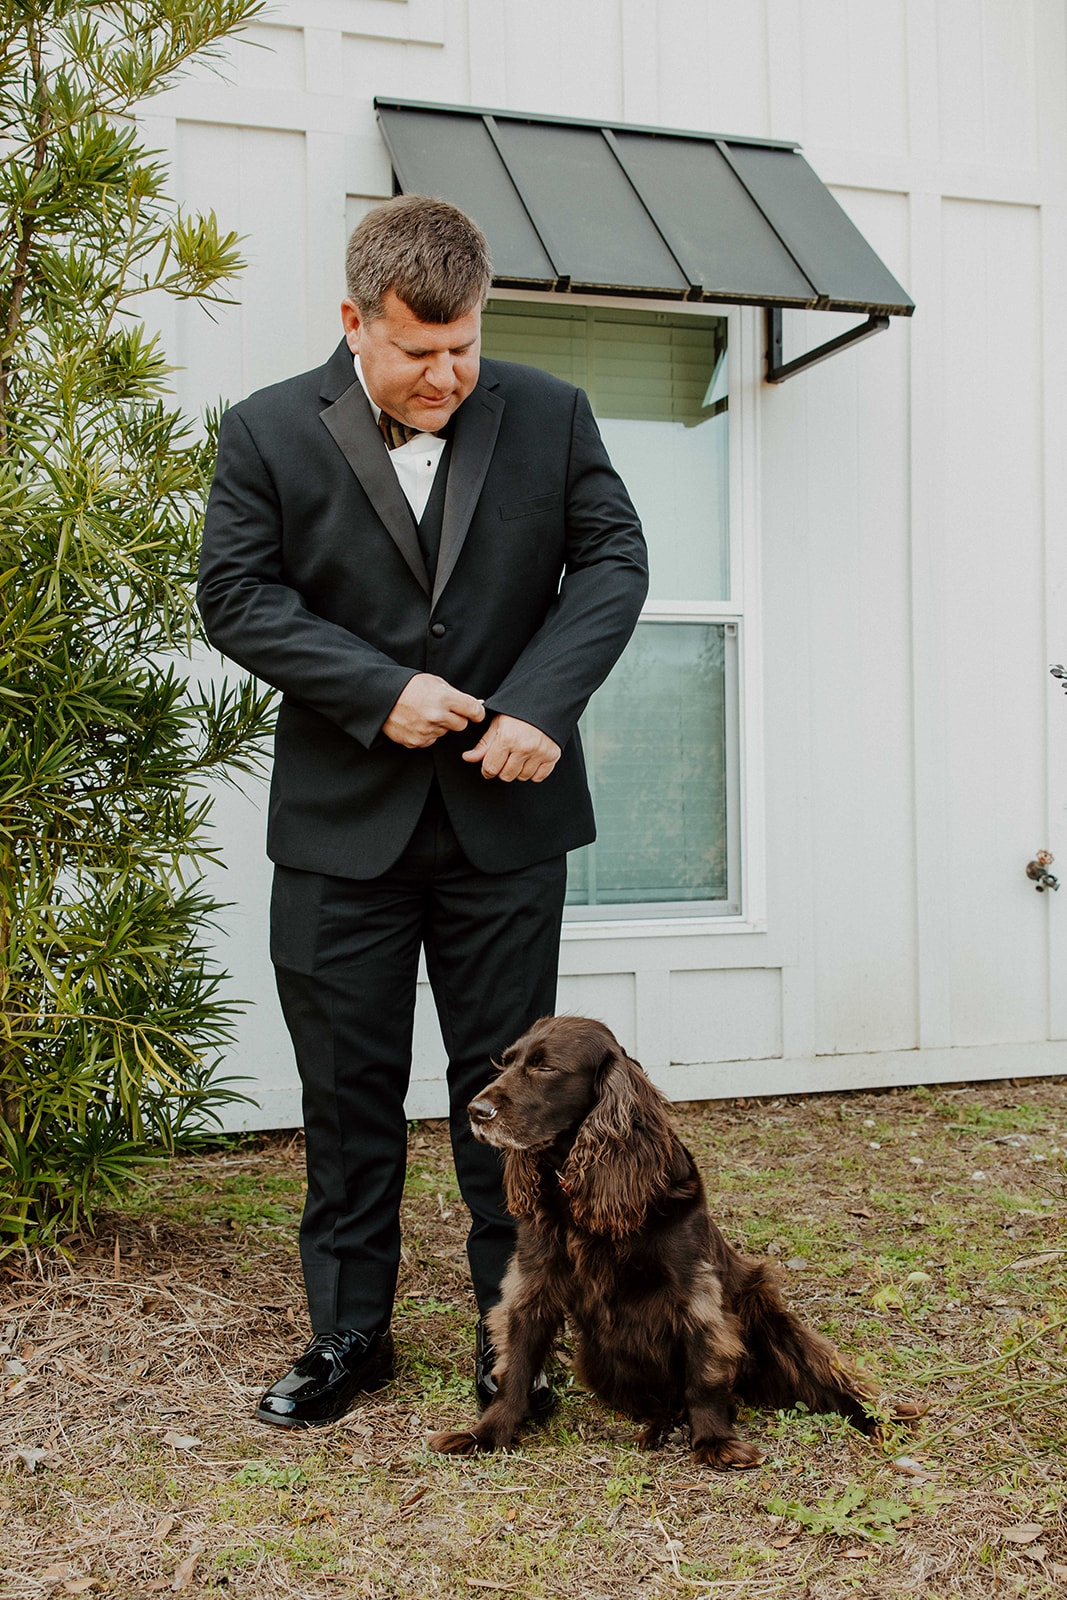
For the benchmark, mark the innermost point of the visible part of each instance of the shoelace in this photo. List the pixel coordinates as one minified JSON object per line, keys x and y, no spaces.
{"x":338,"y":1343}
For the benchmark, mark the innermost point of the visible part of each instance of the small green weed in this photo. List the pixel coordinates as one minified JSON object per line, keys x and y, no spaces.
{"x":856,"y":1514}
{"x":272,"y":1475}
{"x":630,"y":1487}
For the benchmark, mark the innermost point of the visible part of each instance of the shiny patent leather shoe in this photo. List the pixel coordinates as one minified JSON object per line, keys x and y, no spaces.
{"x":543,"y":1399}
{"x":333,"y":1370}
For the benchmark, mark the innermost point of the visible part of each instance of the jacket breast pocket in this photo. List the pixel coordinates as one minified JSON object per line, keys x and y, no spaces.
{"x":529,"y":508}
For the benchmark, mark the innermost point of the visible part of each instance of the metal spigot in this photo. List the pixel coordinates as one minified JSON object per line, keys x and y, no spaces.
{"x":1038,"y":871}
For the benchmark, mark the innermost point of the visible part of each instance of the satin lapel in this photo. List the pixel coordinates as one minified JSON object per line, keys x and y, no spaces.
{"x":351,"y":422}
{"x":474,"y":431}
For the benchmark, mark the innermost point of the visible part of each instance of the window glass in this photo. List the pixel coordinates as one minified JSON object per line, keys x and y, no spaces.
{"x":657,"y":385}
{"x":655,"y":744}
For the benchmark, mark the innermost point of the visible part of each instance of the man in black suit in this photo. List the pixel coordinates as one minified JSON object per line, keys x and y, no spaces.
{"x":434,"y":561}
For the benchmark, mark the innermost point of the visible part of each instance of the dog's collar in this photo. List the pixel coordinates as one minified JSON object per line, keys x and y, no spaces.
{"x":564,"y":1185}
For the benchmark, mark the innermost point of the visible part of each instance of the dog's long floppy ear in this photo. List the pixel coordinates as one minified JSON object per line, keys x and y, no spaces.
{"x":522,"y":1182}
{"x":621,"y":1158}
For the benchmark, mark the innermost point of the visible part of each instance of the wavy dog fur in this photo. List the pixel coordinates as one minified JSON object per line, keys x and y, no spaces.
{"x":670,"y":1323}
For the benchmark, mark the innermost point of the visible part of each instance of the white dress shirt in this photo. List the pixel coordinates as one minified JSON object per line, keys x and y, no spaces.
{"x":414,"y":463}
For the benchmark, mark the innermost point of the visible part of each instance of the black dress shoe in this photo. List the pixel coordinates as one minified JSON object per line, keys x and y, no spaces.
{"x":322,"y":1385}
{"x":542,"y":1401}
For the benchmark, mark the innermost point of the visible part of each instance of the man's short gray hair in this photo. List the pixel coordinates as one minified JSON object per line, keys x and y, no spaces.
{"x":428,"y":252}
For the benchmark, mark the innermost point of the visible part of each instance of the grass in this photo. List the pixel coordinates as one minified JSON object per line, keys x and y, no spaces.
{"x":924,"y":1230}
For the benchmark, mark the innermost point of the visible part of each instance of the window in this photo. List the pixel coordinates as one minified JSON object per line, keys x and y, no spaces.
{"x":661,"y":734}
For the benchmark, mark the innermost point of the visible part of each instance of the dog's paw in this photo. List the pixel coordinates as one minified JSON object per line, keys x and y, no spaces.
{"x":453,"y":1443}
{"x":727,"y":1455}
{"x":651,"y":1438}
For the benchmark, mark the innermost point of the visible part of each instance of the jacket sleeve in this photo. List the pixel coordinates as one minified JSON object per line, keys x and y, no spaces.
{"x":605,"y":580}
{"x":253,"y":616}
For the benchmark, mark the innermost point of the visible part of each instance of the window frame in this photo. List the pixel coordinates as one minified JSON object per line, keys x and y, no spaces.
{"x":746,"y":817}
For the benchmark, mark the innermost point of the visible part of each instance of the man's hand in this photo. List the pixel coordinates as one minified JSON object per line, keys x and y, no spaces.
{"x":428,"y":708}
{"x":514,"y":750}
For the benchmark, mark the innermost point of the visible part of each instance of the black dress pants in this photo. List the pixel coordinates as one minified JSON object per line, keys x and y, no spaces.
{"x":346,"y":953}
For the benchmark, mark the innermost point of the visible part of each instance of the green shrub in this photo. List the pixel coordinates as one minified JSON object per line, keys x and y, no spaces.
{"x":111,"y":1012}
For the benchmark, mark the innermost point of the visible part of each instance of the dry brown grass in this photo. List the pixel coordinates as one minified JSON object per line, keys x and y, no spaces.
{"x":130,"y":1464}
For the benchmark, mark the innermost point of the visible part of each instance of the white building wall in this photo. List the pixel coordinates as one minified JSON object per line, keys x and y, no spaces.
{"x":902,"y":504}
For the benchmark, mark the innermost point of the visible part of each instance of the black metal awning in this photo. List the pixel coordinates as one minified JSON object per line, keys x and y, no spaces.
{"x":572,"y":205}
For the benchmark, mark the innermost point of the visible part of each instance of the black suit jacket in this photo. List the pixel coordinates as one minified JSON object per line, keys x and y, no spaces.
{"x":312,"y":578}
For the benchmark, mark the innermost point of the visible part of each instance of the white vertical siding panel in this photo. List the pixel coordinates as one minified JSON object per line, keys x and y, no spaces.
{"x":712,"y":72}
{"x":653,"y":1013}
{"x":269,"y":58}
{"x":920,"y":36}
{"x":326,"y":198}
{"x":588,"y":67}
{"x":255,"y":180}
{"x":324,"y":61}
{"x":785,"y":98}
{"x":930,"y":579}
{"x":1008,"y":43}
{"x":207,"y":342}
{"x":927,"y":555}
{"x":857,"y":444}
{"x":686,"y":94}
{"x":408,"y":70}
{"x":326,"y":224}
{"x":788,"y":581}
{"x":639,"y":62}
{"x":486,"y":51}
{"x":994,"y":618}
{"x":564,"y":59}
{"x":961,"y":80}
{"x":986,"y":66}
{"x":855,"y":76}
{"x":1052,"y":101}
{"x":725,"y":1016}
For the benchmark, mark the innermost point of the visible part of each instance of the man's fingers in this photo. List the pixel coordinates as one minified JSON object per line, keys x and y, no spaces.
{"x":514,"y":751}
{"x":495,"y":756}
{"x":427,"y":708}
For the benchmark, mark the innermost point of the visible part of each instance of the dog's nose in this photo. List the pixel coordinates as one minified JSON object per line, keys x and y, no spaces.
{"x":481,"y":1111}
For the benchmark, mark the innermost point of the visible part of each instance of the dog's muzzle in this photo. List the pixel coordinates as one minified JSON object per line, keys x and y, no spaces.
{"x":481,"y":1112}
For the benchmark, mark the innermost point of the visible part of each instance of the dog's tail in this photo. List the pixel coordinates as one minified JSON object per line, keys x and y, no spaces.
{"x":787,"y":1363}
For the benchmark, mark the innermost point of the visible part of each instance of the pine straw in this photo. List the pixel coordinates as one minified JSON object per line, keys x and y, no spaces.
{"x":130,"y":1463}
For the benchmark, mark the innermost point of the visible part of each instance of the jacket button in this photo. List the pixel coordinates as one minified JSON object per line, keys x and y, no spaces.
{"x":438,"y":630}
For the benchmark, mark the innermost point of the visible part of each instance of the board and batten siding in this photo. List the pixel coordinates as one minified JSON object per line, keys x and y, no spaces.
{"x":900,"y":508}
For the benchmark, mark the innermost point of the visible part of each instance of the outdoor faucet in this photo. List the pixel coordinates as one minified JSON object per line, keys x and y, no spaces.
{"x":1038,"y":871}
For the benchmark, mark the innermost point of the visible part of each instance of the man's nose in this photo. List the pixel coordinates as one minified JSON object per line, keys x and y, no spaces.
{"x":481,"y":1111}
{"x":439,"y":370}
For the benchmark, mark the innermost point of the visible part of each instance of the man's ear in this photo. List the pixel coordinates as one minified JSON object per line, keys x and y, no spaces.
{"x":352,"y":323}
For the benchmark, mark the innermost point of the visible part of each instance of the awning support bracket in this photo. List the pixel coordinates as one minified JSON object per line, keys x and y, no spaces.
{"x":777,"y":370}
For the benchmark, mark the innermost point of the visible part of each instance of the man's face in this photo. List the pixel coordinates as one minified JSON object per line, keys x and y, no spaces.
{"x":417,"y":371}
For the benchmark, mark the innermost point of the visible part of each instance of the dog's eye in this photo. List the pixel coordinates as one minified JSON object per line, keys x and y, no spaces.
{"x":542,"y":1067}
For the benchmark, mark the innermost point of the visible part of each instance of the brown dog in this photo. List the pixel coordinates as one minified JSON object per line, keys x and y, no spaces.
{"x":670,"y":1322}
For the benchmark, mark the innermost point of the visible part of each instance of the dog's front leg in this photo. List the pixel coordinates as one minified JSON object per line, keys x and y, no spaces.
{"x":522,"y":1328}
{"x":712,"y":1352}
